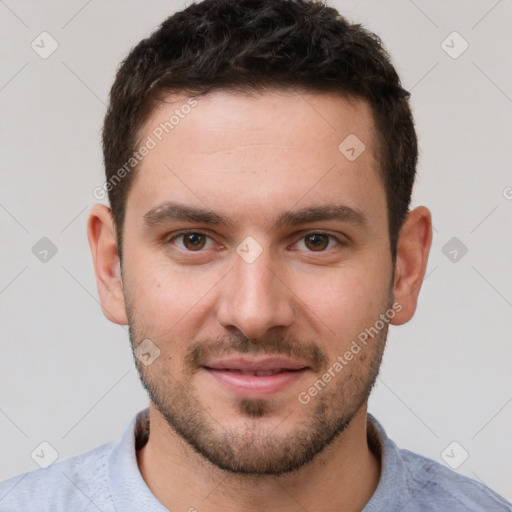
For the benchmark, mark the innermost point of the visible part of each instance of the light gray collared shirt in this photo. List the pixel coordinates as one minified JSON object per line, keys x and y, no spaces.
{"x":107,"y":479}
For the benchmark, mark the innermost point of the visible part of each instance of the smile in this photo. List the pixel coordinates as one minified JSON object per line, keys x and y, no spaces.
{"x":255,"y":378}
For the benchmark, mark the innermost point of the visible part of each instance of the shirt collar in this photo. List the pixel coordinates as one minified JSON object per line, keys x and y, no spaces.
{"x":130,"y":492}
{"x":127,"y":487}
{"x":384,"y":497}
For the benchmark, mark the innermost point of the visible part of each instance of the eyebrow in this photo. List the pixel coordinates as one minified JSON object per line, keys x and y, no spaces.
{"x":169,"y":212}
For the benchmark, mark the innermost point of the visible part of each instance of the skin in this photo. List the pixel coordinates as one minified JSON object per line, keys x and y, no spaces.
{"x":250,"y":158}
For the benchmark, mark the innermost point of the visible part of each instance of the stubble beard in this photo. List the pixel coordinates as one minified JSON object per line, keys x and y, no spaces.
{"x":249,"y":449}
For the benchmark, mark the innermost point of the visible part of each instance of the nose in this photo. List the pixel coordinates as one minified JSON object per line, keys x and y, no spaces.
{"x":254,"y":297}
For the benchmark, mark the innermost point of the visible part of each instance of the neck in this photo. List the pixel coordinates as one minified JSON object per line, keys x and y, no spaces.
{"x":341,"y":478}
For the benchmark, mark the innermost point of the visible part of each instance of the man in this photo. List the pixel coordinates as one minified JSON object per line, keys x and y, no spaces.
{"x":260,"y":157}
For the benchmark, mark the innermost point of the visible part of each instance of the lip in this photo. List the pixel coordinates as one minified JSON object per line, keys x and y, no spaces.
{"x":255,"y":377}
{"x":255,"y":364}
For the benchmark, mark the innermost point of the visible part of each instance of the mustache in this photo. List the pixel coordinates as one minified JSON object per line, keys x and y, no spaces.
{"x":273,"y":344}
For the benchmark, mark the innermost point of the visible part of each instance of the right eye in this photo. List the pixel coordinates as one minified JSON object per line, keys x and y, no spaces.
{"x":191,"y":241}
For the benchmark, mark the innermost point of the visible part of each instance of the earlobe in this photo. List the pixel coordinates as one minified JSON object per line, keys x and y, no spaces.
{"x":411,"y":261}
{"x":103,"y":244}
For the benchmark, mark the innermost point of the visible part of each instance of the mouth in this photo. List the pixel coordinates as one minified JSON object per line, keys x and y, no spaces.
{"x":255,"y":378}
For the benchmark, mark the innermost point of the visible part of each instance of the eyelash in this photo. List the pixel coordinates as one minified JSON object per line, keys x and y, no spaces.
{"x":199,"y":232}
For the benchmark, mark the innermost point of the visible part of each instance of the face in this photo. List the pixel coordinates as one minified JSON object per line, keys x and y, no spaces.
{"x":256,"y":255}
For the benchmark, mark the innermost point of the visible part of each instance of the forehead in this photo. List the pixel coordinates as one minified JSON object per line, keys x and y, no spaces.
{"x":246,"y":150}
{"x":265,"y":114}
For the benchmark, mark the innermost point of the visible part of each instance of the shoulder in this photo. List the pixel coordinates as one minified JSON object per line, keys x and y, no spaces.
{"x":429,"y":483}
{"x":79,"y":484}
{"x":410,"y":482}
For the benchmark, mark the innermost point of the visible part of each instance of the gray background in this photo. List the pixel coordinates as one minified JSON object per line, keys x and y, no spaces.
{"x":66,"y":373}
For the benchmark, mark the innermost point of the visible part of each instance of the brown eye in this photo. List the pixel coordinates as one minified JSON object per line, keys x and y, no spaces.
{"x":194,"y":241}
{"x":317,"y":241}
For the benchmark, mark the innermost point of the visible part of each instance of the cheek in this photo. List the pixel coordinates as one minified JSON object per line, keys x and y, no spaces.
{"x":347,"y":302}
{"x":163,"y":297}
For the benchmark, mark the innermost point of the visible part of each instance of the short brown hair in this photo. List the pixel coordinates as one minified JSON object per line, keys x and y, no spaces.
{"x":255,"y":45}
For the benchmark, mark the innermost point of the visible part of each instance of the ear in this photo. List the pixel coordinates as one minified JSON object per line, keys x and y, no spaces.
{"x":411,"y":262}
{"x":103,"y":243}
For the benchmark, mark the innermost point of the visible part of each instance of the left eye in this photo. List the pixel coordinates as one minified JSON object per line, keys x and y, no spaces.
{"x":317,"y":242}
